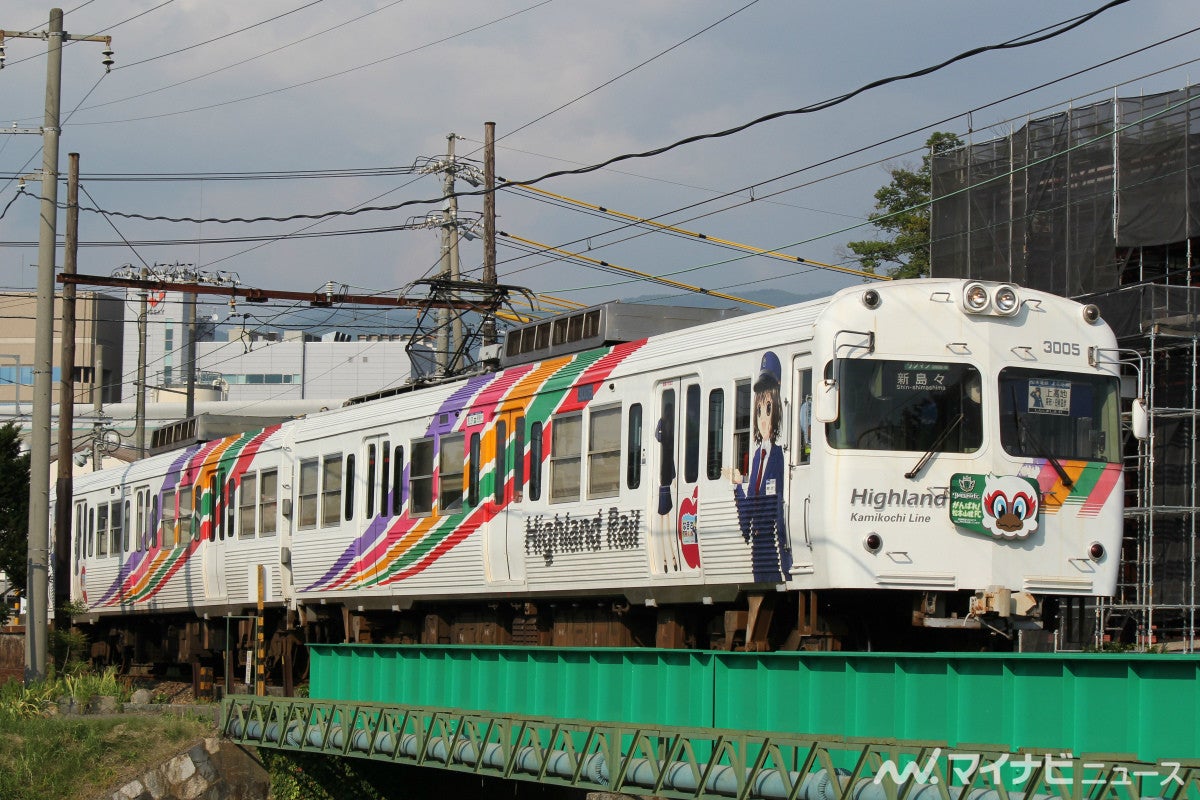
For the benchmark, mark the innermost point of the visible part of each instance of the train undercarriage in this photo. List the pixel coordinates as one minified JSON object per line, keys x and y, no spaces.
{"x":220,"y":651}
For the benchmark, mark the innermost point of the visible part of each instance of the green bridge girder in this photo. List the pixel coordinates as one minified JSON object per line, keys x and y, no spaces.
{"x":690,"y":762}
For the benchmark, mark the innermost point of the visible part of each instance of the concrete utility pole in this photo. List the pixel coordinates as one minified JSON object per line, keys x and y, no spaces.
{"x":66,"y":394}
{"x":489,"y":222}
{"x":139,"y":424}
{"x":37,"y":596}
{"x":449,"y":337}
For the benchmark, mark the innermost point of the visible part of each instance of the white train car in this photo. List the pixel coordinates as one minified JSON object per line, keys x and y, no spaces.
{"x":935,"y":451}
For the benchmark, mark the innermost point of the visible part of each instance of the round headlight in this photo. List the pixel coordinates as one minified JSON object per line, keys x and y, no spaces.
{"x":1096,"y":551}
{"x":873,"y":542}
{"x":1091,"y":314}
{"x":1006,"y":300}
{"x":871,"y":298}
{"x":976,"y":297}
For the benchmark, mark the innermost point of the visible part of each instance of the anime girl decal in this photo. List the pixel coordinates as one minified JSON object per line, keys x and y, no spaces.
{"x":759,"y":495}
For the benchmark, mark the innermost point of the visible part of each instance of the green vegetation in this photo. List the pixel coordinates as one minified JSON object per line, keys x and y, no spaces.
{"x":902,"y":215}
{"x":43,"y":755}
{"x":14,"y":509}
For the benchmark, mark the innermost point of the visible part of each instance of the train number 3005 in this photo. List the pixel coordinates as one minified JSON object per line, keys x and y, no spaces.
{"x":1060,"y":348}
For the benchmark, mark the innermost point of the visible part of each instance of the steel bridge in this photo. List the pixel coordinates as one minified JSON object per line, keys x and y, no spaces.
{"x":773,"y":726}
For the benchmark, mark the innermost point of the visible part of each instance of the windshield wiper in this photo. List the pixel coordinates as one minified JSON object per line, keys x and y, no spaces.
{"x":934,"y":448}
{"x":1039,"y":450}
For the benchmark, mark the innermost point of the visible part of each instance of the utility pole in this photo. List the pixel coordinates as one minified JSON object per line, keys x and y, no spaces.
{"x":489,"y":222}
{"x":449,"y":336}
{"x":66,"y":394}
{"x":139,"y":429}
{"x":190,"y":355}
{"x":38,"y":589}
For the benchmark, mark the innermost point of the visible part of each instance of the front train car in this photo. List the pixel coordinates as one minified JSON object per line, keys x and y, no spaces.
{"x":967,"y":449}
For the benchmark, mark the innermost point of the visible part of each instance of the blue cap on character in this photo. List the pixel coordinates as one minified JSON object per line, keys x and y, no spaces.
{"x":770,"y":374}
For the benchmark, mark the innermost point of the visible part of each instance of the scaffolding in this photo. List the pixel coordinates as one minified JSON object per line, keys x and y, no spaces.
{"x":1155,"y":605}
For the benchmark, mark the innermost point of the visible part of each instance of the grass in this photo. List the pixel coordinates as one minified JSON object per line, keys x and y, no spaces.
{"x":46,"y":757}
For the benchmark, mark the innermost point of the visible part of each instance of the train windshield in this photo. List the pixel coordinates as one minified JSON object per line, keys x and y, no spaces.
{"x":919,"y":406}
{"x":1060,"y":415}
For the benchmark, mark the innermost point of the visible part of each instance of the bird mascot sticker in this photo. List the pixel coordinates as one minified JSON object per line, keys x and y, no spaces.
{"x":1001,"y":506}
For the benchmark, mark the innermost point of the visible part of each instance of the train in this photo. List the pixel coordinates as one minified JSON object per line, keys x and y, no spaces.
{"x":897,"y":463}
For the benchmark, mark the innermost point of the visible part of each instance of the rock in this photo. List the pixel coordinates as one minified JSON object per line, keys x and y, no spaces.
{"x":179,"y":769}
{"x":105,"y":704}
{"x":142,"y":697}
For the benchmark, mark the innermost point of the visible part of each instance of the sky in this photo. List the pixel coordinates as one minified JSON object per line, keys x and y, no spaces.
{"x":207,"y":87}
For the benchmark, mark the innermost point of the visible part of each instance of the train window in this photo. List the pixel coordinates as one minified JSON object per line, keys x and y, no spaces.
{"x":80,"y":527}
{"x":527,"y":340}
{"x":231,"y":501}
{"x":268,"y":502}
{"x":805,"y":413}
{"x":535,"y":461}
{"x":155,"y":517}
{"x":518,"y":459}
{"x":566,"y":442}
{"x":167,"y":532}
{"x":633,"y":456}
{"x":664,"y":432}
{"x":102,"y":530}
{"x":183,"y":521}
{"x":370,"y":480}
{"x":398,"y":481}
{"x":451,"y":458}
{"x":331,"y":490}
{"x":214,"y":504}
{"x":691,"y":433}
{"x":512,"y":344}
{"x":908,"y":405}
{"x":715,"y":454}
{"x":309,"y":472}
{"x":575,"y":328}
{"x":121,"y":525}
{"x":350,"y":486}
{"x":139,"y":526}
{"x":542,"y":336}
{"x":91,"y":532}
{"x":248,"y":506}
{"x":473,"y":484}
{"x":1060,"y":415}
{"x":741,"y":427}
{"x":385,"y":468}
{"x":604,"y":452}
{"x":420,"y":479}
{"x":560,"y":331}
{"x":499,"y":469}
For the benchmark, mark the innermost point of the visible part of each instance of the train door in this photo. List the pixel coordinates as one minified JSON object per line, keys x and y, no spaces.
{"x":504,"y":550}
{"x":674,"y":546}
{"x":800,"y":480}
{"x":215,"y":533}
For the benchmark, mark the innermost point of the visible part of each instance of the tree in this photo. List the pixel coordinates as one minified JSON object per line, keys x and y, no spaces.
{"x":902,"y":213}
{"x":14,"y":506}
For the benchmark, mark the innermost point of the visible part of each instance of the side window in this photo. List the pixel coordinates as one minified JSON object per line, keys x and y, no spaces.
{"x":350,"y":487}
{"x":519,"y":460}
{"x":691,"y":433}
{"x":805,"y":421}
{"x":473,"y":484}
{"x":741,"y":427}
{"x":398,"y":481}
{"x":230,"y":505}
{"x":665,"y":434}
{"x":154,"y":534}
{"x":604,"y":453}
{"x":116,"y":527}
{"x":120,"y":528}
{"x":535,"y":461}
{"x":217,"y":522}
{"x":331,"y":490}
{"x":307,"y":518}
{"x":716,"y":434}
{"x":450,"y":472}
{"x":80,"y":527}
{"x":91,"y":533}
{"x":102,"y":530}
{"x":499,"y":470}
{"x":371,"y":480}
{"x":633,"y":454}
{"x":166,"y":533}
{"x":248,"y":506}
{"x":184,"y":521}
{"x":268,"y":502}
{"x":566,"y":439}
{"x":420,"y":478}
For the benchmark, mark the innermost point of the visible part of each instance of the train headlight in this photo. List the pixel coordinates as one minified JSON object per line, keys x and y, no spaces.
{"x":873,"y":542}
{"x":1095,"y":551}
{"x":975,"y":297}
{"x":1007,"y":301}
{"x":871,"y":298}
{"x":1091,"y":313}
